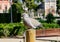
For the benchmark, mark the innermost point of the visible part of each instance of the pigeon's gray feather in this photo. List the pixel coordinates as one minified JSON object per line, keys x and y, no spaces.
{"x":30,"y":22}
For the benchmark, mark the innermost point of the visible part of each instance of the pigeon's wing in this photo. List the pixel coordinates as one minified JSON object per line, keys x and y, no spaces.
{"x":29,"y":23}
{"x":35,"y":22}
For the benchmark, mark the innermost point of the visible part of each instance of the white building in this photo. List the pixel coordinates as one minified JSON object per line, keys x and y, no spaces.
{"x":50,"y":6}
{"x":4,"y":6}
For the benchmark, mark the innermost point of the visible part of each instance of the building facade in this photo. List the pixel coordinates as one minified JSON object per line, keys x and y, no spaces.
{"x":50,"y":6}
{"x":4,"y":6}
{"x":46,"y":7}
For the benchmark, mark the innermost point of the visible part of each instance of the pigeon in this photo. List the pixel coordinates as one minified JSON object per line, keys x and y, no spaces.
{"x":30,"y":22}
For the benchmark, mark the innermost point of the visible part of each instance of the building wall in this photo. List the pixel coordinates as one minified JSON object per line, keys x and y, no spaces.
{"x":4,"y":6}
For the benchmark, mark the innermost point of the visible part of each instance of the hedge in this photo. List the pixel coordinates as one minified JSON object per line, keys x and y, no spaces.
{"x":11,"y":29}
{"x":6,"y":17}
{"x":50,"y":18}
{"x":52,"y":25}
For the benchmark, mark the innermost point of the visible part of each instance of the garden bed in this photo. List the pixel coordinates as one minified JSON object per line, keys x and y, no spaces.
{"x":48,"y":32}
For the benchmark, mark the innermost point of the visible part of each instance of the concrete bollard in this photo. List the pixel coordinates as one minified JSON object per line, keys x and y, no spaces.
{"x":30,"y":35}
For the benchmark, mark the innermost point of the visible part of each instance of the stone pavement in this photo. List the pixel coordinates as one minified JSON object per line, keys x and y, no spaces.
{"x":11,"y":40}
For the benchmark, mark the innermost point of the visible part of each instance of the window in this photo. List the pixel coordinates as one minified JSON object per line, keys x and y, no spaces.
{"x":52,"y":0}
{"x":47,"y":0}
{"x":0,"y":6}
{"x":10,"y":0}
{"x":5,"y":7}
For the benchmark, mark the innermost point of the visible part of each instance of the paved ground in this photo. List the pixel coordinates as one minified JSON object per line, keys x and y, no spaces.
{"x":42,"y":39}
{"x":11,"y":40}
{"x":54,"y":38}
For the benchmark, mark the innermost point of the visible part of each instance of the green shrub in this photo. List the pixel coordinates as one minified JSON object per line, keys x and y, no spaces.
{"x":58,"y":22}
{"x":13,"y":29}
{"x":50,"y":18}
{"x":52,"y":25}
{"x":40,"y":20}
{"x":6,"y":17}
{"x":10,"y":29}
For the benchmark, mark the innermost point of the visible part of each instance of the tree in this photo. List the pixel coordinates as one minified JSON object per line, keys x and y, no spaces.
{"x":17,"y":10}
{"x":17,"y":7}
{"x":58,"y":22}
{"x":30,"y":4}
{"x":39,"y":0}
{"x":15,"y":1}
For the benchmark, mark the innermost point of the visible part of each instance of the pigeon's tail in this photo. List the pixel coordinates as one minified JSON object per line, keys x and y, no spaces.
{"x":40,"y":26}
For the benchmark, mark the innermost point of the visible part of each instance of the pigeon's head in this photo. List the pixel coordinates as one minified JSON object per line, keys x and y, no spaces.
{"x":25,"y":15}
